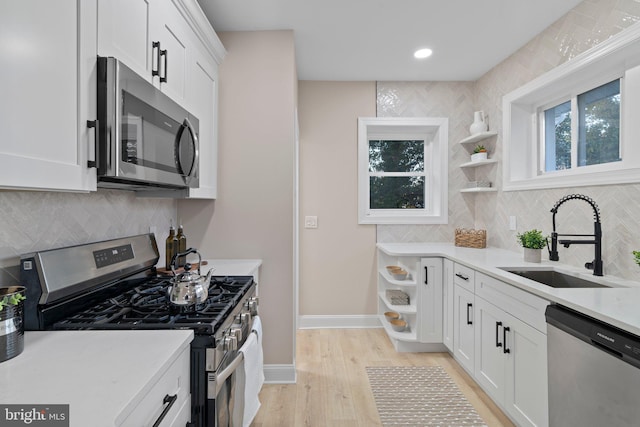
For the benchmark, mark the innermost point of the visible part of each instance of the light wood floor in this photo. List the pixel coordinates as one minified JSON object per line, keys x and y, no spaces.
{"x":333,"y":389}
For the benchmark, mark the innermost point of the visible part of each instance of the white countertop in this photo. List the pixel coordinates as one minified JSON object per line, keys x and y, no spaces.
{"x":102,"y":375}
{"x":618,"y":305}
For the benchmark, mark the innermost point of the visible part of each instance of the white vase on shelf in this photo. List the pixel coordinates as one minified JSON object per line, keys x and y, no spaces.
{"x":478,"y":125}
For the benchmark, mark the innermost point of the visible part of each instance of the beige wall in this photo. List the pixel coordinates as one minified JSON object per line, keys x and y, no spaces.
{"x":337,"y":259}
{"x":253,"y":216}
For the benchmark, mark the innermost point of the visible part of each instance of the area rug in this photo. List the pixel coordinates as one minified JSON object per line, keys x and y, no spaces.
{"x":422,"y":396}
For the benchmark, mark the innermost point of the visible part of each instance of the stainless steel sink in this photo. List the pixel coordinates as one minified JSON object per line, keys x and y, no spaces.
{"x":555,"y":279}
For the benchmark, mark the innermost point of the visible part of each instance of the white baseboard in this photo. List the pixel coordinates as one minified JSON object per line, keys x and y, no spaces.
{"x":279,"y":374}
{"x":339,"y":321}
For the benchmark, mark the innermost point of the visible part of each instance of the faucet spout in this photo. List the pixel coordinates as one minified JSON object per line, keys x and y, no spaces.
{"x":597,"y":264}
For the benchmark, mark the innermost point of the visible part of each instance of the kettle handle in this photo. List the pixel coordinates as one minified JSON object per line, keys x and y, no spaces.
{"x":185,"y":253}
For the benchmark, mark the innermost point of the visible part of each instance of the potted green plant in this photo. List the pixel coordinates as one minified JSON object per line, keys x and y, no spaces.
{"x":479,"y":153}
{"x":11,"y":316}
{"x":533,"y":241}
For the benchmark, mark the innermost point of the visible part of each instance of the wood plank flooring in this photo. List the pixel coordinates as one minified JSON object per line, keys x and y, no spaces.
{"x":333,"y":388}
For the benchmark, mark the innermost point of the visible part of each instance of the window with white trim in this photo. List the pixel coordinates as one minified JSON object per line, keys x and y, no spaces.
{"x":576,"y":125}
{"x":402,"y":170}
{"x":582,"y":131}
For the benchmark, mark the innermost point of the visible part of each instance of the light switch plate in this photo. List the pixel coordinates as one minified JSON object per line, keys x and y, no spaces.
{"x":512,"y":223}
{"x":310,"y":222}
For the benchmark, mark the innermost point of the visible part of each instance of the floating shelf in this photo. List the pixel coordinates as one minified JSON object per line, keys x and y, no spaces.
{"x":478,"y":137}
{"x":479,"y":190}
{"x":478,"y":163}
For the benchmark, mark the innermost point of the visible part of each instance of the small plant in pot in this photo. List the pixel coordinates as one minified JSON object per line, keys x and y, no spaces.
{"x":479,"y":153}
{"x":533,"y":241}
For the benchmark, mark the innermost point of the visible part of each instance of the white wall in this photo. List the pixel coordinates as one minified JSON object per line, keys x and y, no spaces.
{"x":337,"y":260}
{"x":253,"y":216}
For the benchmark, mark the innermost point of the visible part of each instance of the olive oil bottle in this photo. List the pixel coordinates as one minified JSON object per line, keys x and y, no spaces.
{"x":171,"y":247}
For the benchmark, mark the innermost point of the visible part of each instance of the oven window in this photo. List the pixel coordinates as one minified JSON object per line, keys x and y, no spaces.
{"x":148,"y":136}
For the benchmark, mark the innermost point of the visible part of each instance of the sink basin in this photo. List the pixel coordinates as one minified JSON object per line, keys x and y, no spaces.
{"x":555,"y":279}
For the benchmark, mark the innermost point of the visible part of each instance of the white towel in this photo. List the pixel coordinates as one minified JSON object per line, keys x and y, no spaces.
{"x":257,"y":327}
{"x":253,"y":377}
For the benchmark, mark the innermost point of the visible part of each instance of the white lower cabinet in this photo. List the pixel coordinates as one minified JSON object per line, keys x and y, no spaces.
{"x":168,"y":401}
{"x":447,"y":306}
{"x":511,"y":355}
{"x":423,"y":313}
{"x":463,"y":327}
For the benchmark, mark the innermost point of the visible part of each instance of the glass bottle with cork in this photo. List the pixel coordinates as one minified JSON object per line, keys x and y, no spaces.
{"x":182,"y":245}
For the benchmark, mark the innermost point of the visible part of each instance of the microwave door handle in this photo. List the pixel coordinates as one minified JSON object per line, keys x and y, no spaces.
{"x":194,"y":141}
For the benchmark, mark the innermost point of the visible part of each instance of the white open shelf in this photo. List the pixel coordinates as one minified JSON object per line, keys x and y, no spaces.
{"x":402,"y":309}
{"x":407,"y":335}
{"x":478,"y":163}
{"x":479,"y":190}
{"x":409,"y":281}
{"x":478,"y":137}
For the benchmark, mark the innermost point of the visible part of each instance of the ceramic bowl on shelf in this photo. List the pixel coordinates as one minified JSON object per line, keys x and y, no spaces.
{"x":398,"y":325}
{"x":392,"y":268}
{"x":391,"y":315}
{"x":399,"y":274}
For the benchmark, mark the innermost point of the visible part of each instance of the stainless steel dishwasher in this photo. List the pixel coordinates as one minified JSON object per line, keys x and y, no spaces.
{"x":594,"y":372}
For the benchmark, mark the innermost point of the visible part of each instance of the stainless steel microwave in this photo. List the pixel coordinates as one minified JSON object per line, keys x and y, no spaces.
{"x":145,"y":140}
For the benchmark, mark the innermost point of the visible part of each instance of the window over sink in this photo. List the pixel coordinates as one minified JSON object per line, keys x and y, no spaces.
{"x":576,"y":124}
{"x":402,"y":170}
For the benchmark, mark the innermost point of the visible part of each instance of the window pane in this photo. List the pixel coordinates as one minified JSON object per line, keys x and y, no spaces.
{"x":557,"y":137}
{"x":393,"y":192}
{"x":396,"y":156}
{"x":599,"y":130}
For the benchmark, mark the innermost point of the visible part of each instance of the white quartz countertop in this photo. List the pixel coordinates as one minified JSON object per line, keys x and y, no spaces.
{"x":102,"y":375}
{"x":618,"y":305}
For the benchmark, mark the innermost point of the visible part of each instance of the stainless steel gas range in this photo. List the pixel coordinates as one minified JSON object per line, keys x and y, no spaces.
{"x":114,"y":285}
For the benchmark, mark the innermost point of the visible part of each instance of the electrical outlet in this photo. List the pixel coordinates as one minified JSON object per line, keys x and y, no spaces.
{"x":310,"y":222}
{"x":512,"y":223}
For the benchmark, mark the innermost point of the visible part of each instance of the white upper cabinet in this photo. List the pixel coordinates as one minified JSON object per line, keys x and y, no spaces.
{"x":149,"y":36}
{"x":202,"y":100}
{"x":171,"y":44}
{"x":48,"y":75}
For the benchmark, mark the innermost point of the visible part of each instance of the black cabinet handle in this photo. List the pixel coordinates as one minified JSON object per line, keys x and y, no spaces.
{"x":426,"y":275}
{"x":169,"y":401}
{"x":469,"y":322}
{"x":498,"y":343}
{"x":463,"y":277}
{"x":163,"y":53}
{"x":504,"y":339}
{"x":94,"y":124}
{"x":155,"y":58}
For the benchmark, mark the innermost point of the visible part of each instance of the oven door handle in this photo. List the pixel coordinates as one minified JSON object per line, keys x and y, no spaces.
{"x":221,"y":378}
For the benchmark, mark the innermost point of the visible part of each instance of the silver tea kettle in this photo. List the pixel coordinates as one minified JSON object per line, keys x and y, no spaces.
{"x":189,"y":288}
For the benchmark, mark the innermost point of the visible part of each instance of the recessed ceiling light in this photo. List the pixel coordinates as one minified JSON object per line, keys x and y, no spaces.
{"x":422,"y":53}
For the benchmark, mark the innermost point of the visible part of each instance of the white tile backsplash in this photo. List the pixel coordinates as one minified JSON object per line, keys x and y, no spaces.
{"x":588,"y":24}
{"x":33,"y":220}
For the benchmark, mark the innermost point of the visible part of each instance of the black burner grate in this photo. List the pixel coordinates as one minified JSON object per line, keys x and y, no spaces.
{"x":146,"y":306}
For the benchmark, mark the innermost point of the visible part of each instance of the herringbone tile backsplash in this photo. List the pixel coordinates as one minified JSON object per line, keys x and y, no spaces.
{"x":32,"y":221}
{"x":591,"y":22}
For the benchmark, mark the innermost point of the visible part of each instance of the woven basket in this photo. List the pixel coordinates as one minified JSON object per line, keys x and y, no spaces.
{"x":471,"y":238}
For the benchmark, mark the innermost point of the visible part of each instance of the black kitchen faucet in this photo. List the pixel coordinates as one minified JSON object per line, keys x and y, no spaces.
{"x":596,"y":264}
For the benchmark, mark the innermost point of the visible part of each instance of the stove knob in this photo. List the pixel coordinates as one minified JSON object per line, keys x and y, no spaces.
{"x":230,"y":343}
{"x":252,"y":305}
{"x":236,"y":331}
